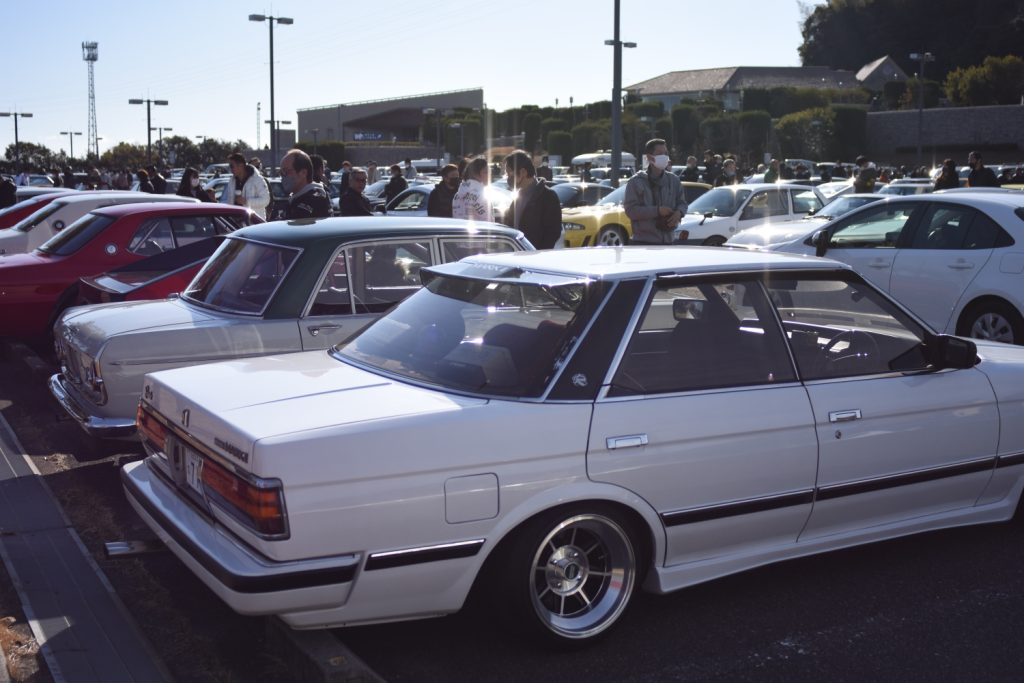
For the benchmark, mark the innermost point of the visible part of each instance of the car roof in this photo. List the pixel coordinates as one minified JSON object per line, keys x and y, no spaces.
{"x":765,"y":186}
{"x":163,"y":207}
{"x":627,"y":262}
{"x":990,"y":199}
{"x":94,"y":195}
{"x":305,"y":232}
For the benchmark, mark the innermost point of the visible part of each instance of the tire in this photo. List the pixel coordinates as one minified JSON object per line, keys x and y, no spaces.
{"x":993,"y":320}
{"x":611,"y":236}
{"x":714,"y":241}
{"x":569,"y":575}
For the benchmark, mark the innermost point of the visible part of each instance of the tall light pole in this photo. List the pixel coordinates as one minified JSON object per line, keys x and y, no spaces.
{"x":923,"y":58}
{"x":315,"y":132}
{"x":617,"y":46}
{"x":160,"y":131}
{"x":71,"y":141}
{"x":149,"y":122}
{"x":275,"y":128}
{"x":273,"y":135}
{"x":17,"y":145}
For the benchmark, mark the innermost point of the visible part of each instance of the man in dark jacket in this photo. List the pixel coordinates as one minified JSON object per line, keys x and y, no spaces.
{"x":439,"y":203}
{"x":159,"y":182}
{"x":308,"y":199}
{"x":353,"y":202}
{"x":981,"y":175}
{"x":536,"y":209}
{"x":396,"y":184}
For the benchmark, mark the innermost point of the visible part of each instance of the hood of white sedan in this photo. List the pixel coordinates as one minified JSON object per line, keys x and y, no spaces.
{"x":89,"y":326}
{"x":242,"y":401}
{"x":780,"y":233}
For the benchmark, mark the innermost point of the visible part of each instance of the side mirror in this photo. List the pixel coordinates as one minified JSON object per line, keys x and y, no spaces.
{"x":819,"y":240}
{"x":945,"y":351}
{"x":380,"y":209}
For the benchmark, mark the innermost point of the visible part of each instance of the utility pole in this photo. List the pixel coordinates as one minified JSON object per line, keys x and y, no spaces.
{"x":71,"y":141}
{"x":923,"y":58}
{"x":273,"y":137}
{"x":149,"y":123}
{"x":91,"y":53}
{"x":17,"y":145}
{"x":617,"y":46}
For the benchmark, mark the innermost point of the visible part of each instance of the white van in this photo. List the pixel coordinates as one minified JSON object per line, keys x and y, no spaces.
{"x":40,"y":226}
{"x":603,"y":158}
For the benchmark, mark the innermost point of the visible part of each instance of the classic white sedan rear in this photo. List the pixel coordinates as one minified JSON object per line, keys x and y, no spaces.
{"x":556,"y":429}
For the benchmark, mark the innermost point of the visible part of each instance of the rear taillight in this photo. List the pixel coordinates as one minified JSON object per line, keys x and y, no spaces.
{"x":257,"y":503}
{"x":683,"y":236}
{"x":151,"y":429}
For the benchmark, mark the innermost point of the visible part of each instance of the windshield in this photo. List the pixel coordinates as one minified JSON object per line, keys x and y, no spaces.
{"x":77,"y":235}
{"x":721,"y":201}
{"x":615,"y":196}
{"x":28,"y":222}
{"x":500,"y":338}
{"x":840,"y":205}
{"x":241,"y":276}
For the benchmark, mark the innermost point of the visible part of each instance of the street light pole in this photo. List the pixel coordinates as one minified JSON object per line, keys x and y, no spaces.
{"x":149,"y":122}
{"x":273,"y":132}
{"x":275,"y":128}
{"x":71,"y":141}
{"x":17,"y":145}
{"x":160,"y":132}
{"x":617,"y":46}
{"x":923,"y":58}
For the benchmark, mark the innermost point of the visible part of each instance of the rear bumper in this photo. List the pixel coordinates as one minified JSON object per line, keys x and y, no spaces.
{"x":247,"y":582}
{"x":102,"y":427}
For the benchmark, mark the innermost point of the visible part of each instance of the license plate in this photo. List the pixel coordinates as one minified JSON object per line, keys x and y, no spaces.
{"x":194,"y":470}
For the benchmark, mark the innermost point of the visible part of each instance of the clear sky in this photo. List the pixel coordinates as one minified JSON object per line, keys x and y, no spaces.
{"x":212,"y":64}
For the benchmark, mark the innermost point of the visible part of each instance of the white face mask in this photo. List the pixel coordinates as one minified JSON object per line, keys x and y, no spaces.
{"x":195,"y":182}
{"x":661,"y":161}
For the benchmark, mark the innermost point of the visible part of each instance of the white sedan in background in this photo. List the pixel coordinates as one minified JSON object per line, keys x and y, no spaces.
{"x":558,"y":428}
{"x":720,"y":213}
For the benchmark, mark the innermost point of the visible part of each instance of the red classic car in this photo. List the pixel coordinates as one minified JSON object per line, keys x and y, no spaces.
{"x":26,"y":207}
{"x":36,"y":287}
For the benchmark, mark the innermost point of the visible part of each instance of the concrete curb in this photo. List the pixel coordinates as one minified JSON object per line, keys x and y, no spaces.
{"x":315,"y":656}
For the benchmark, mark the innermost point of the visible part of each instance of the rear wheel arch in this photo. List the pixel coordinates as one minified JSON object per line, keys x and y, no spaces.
{"x":990,"y":305}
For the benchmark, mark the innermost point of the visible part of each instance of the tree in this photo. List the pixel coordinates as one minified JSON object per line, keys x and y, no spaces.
{"x":654,"y":109}
{"x":591,"y":136}
{"x":550,"y":124}
{"x":560,"y":142}
{"x":847,"y":34}
{"x":998,"y":80}
{"x":849,"y":131}
{"x":754,"y":127}
{"x":531,"y":131}
{"x":807,"y":134}
{"x":36,"y":156}
{"x":125,"y":155}
{"x":685,"y":128}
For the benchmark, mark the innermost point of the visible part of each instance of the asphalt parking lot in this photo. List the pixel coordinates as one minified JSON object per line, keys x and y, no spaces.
{"x":940,"y":606}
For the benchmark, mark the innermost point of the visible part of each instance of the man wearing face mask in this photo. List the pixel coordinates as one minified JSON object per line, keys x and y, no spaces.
{"x":729,"y":175}
{"x":536,"y":209}
{"x":439,"y":203}
{"x":308,"y":198}
{"x":654,"y":199}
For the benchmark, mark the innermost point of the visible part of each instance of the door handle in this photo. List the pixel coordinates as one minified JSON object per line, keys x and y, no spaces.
{"x":844,"y":415}
{"x":631,"y":441}
{"x":880,"y":264}
{"x":314,"y":330}
{"x":960,"y":264}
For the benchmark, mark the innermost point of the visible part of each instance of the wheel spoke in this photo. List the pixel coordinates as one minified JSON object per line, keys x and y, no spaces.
{"x":592,"y":549}
{"x":583,"y":596}
{"x":561,"y":606}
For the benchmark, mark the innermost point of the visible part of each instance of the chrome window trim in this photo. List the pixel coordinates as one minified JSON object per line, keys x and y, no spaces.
{"x":634,"y":320}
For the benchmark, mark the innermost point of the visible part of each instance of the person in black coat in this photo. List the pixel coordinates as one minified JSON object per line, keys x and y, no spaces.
{"x":8,"y":193}
{"x":396,"y":185}
{"x":191,"y":186}
{"x":536,"y":209}
{"x":144,"y":184}
{"x":439,"y":203}
{"x":352,"y":201}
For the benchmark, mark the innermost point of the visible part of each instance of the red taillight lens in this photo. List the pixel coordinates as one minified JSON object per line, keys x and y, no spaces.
{"x":259,"y":507}
{"x":683,"y":235}
{"x":151,"y":429}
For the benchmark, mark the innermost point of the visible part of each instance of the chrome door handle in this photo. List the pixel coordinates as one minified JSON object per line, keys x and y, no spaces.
{"x":314,"y":330}
{"x":880,"y":264}
{"x":844,"y":415}
{"x":631,"y":441}
{"x":960,"y":265}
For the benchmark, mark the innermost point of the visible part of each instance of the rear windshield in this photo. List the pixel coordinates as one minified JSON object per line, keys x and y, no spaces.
{"x":24,"y":204}
{"x":77,"y":235}
{"x":29,"y":222}
{"x":241,"y":277}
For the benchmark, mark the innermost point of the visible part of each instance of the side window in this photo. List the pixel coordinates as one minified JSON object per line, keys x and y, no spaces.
{"x":384,"y":274}
{"x":765,"y":204}
{"x":152,"y":237}
{"x":460,"y":248}
{"x":225,"y":224}
{"x":943,"y":226}
{"x":843,"y":329}
{"x":805,"y":201}
{"x":879,"y":226}
{"x":189,"y":229}
{"x":411,"y":202}
{"x":333,"y":296}
{"x":703,"y":336}
{"x":985,"y":233}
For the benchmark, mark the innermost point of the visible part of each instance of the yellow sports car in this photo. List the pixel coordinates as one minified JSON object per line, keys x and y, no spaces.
{"x":605,"y":223}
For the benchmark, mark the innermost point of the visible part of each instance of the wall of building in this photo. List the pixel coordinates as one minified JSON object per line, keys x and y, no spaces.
{"x":947,"y":132}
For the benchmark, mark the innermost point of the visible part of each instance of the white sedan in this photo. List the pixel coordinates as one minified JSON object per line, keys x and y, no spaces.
{"x":720,"y":213}
{"x":556,"y":429}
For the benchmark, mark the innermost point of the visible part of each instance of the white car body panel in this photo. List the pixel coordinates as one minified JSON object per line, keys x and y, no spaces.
{"x":725,"y":227}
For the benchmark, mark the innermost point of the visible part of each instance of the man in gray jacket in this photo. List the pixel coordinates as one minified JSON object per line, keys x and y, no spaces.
{"x":654,"y":199}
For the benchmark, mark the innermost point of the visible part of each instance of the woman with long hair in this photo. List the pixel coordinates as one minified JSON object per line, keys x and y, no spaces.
{"x":192,"y":186}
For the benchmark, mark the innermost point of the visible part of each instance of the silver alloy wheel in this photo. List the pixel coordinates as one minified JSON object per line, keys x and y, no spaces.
{"x":582,"y":576}
{"x":993,"y":327}
{"x":611,"y":237}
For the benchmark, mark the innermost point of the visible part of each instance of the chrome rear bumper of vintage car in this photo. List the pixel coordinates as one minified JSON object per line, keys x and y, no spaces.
{"x":247,"y":582}
{"x":103,"y":427}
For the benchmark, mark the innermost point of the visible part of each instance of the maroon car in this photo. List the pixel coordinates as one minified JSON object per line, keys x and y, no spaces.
{"x":36,"y":287}
{"x":26,"y":207}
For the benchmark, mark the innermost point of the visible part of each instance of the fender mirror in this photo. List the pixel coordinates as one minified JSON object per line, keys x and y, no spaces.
{"x":819,"y":240}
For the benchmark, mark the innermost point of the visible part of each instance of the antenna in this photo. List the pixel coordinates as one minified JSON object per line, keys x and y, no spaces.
{"x":90,"y":53}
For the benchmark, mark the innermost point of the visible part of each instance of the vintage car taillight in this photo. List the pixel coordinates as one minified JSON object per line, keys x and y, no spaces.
{"x":683,"y":235}
{"x":151,"y":429}
{"x":256,"y":503}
